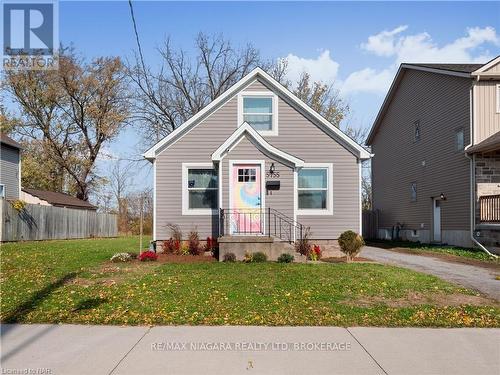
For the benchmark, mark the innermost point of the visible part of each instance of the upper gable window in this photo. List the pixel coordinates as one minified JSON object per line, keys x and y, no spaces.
{"x":259,"y":109}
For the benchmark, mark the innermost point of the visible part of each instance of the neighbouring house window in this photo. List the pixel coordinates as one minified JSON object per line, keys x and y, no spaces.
{"x":416,"y":135}
{"x":498,"y":98}
{"x":259,"y":110}
{"x":414,"y":192}
{"x":459,"y":139}
{"x":201,"y":194}
{"x":2,"y":191}
{"x":314,"y":189}
{"x":247,"y":174}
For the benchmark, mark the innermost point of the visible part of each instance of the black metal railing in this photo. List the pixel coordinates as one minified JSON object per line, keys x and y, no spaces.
{"x":267,"y":222}
{"x":489,"y":208}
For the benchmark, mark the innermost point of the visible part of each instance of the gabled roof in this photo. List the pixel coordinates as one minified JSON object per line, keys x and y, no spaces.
{"x":9,"y":141}
{"x":457,"y":70}
{"x":246,"y":130}
{"x":60,"y":199}
{"x":460,"y":68}
{"x":483,"y":70}
{"x":491,"y":143}
{"x":320,"y":121}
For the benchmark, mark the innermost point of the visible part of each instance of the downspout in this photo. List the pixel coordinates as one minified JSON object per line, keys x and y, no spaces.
{"x":472,"y":179}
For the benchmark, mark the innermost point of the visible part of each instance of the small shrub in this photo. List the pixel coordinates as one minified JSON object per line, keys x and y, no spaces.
{"x":259,"y":257}
{"x":315,"y":253}
{"x":285,"y":258}
{"x":303,"y":246}
{"x":350,"y":244}
{"x":121,"y":257}
{"x":133,"y":255}
{"x":147,"y":256}
{"x":212,"y":245}
{"x":171,"y":246}
{"x":194,"y":242}
{"x":229,"y":257}
{"x":175,"y":238}
{"x":248,"y":257}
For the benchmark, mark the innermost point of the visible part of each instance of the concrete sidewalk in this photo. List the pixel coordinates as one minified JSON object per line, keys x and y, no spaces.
{"x":73,"y":349}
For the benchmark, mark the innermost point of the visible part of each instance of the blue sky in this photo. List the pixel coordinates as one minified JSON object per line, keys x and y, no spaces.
{"x":357,"y":44}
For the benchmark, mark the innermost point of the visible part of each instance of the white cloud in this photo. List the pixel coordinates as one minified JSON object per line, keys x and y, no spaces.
{"x":368,"y":80}
{"x":323,"y":68}
{"x":415,"y":48}
{"x":383,"y":43}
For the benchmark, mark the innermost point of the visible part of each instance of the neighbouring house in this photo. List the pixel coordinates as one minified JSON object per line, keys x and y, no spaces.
{"x":256,"y":167}
{"x":436,"y":169}
{"x":51,"y":198}
{"x":10,"y":168}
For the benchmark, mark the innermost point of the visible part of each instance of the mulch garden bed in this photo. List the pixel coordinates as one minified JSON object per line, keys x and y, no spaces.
{"x":344,"y":260}
{"x":173,"y":258}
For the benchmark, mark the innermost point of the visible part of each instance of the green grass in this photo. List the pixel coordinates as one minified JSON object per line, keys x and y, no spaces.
{"x":423,"y":248}
{"x":72,"y":282}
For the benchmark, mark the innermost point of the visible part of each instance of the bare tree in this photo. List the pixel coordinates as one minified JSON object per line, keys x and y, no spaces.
{"x":183,"y":84}
{"x":72,"y":112}
{"x":120,"y":183}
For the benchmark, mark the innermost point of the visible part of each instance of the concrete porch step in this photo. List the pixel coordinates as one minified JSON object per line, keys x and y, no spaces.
{"x":271,"y":246}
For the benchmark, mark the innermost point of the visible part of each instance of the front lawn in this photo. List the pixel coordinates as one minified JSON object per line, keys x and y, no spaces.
{"x":73,"y":282}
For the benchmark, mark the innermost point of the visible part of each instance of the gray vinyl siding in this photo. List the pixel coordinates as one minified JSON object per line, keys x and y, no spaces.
{"x":487,"y":117}
{"x":297,"y":136}
{"x":441,"y":104}
{"x":9,"y":170}
{"x":279,"y":199}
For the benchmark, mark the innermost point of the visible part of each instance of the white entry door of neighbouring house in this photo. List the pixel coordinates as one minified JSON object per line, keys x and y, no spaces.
{"x":246,"y":199}
{"x":437,"y":220}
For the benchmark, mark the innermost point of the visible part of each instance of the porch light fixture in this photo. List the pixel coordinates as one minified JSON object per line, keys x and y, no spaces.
{"x":272,"y":168}
{"x":442,"y":197}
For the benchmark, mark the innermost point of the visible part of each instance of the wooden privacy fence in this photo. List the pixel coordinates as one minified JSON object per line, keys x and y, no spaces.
{"x":370,"y":224}
{"x":36,"y":222}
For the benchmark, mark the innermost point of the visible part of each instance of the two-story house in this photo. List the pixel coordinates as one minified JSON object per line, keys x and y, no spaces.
{"x":436,"y":169}
{"x":257,"y":165}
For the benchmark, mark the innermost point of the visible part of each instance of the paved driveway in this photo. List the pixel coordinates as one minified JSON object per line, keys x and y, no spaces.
{"x":474,"y":277}
{"x":73,"y":349}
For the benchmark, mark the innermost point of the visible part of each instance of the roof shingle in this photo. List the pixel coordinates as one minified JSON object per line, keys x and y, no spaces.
{"x":461,"y":68}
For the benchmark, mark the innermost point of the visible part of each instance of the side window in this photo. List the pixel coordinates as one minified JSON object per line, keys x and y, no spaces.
{"x":413,"y":190}
{"x":416,"y":131}
{"x":459,"y":140}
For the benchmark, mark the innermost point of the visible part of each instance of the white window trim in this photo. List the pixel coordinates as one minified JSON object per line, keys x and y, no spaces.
{"x":260,"y":94}
{"x":3,"y":190}
{"x":185,"y":195}
{"x":329,"y":195}
{"x":498,"y":97}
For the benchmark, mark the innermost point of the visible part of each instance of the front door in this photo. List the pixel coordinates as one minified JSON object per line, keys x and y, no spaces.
{"x":246,"y":199}
{"x":437,"y":220}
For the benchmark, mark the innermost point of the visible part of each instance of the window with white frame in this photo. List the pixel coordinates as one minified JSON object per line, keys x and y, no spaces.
{"x":314,"y":189}
{"x":459,"y":139}
{"x":413,"y":191}
{"x":201,"y":189}
{"x":260,"y":111}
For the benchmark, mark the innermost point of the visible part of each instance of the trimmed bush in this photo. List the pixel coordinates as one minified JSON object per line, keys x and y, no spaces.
{"x":259,"y":257}
{"x":315,"y":253}
{"x":194,"y":242}
{"x":147,"y":256}
{"x":286,"y":258}
{"x":229,"y":257}
{"x":121,"y":257}
{"x":303,"y":246}
{"x":350,"y":244}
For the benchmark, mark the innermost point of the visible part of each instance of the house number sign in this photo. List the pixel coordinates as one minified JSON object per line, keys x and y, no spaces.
{"x":272,"y":173}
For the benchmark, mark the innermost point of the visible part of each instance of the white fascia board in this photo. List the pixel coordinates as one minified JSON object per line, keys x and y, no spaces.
{"x":331,"y":130}
{"x":486,"y":66}
{"x":246,"y":128}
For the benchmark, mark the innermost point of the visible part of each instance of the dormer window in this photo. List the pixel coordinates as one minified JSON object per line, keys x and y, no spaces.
{"x":259,"y":109}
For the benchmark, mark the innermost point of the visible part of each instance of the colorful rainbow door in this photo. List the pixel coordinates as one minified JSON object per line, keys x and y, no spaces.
{"x":246,"y":202}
